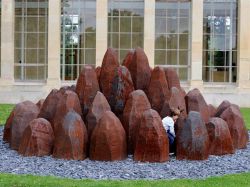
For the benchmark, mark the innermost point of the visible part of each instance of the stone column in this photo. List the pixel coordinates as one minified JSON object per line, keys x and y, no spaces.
{"x":196,"y":44}
{"x":7,"y":42}
{"x":54,"y":29}
{"x":243,"y":44}
{"x":101,"y":30}
{"x":149,"y":30}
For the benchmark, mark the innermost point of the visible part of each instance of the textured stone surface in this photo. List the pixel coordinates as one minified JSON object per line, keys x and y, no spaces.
{"x":192,"y":142}
{"x":122,"y":86}
{"x":69,"y":101}
{"x":87,"y":87}
{"x":71,"y":138}
{"x":19,"y":119}
{"x":222,"y":107}
{"x":212,"y":110}
{"x":196,"y":102}
{"x":152,"y":142}
{"x":108,"y":71}
{"x":108,"y":140}
{"x":37,"y":139}
{"x":98,"y":72}
{"x":236,"y":126}
{"x":128,"y":58}
{"x":99,"y":106}
{"x":49,"y":106}
{"x":39,"y":104}
{"x":175,"y":101}
{"x":158,"y":90}
{"x":172,"y":78}
{"x":135,"y":106}
{"x":140,"y":70}
{"x":69,"y":88}
{"x":220,"y":141}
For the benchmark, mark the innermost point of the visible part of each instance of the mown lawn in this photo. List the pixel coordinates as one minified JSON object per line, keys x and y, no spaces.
{"x":246,"y":115}
{"x":5,"y":110}
{"x":28,"y":180}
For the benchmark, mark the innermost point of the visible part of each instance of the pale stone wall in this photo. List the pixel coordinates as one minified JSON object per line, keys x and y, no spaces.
{"x":13,"y":92}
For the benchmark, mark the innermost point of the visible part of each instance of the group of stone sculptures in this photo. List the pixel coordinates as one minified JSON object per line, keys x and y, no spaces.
{"x":116,"y":110}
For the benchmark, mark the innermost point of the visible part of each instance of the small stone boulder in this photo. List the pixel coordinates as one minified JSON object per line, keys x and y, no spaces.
{"x":196,"y":102}
{"x":219,"y":137}
{"x":158,"y":90}
{"x":140,"y":70}
{"x":48,"y":109}
{"x":236,"y":126}
{"x":128,"y":58}
{"x":192,"y":141}
{"x":37,"y":139}
{"x":152,"y":142}
{"x":87,"y":87}
{"x":222,"y":107}
{"x":136,"y":104}
{"x":99,"y":106}
{"x":71,"y":138}
{"x":108,"y":140}
{"x":69,"y":101}
{"x":172,"y":78}
{"x":19,"y":119}
{"x":108,"y":71}
{"x":122,"y":86}
{"x":175,"y":101}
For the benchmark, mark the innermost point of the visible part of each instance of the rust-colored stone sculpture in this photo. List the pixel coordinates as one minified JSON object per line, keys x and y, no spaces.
{"x":140,"y":70}
{"x":222,"y":107}
{"x":71,"y":138}
{"x":158,"y":90}
{"x":49,"y":106}
{"x":212,"y":110}
{"x":108,"y":72}
{"x":98,"y":72}
{"x":69,"y":100}
{"x":152,"y":142}
{"x":19,"y":119}
{"x":108,"y":141}
{"x":236,"y":126}
{"x":136,"y":104}
{"x":37,"y":139}
{"x":39,"y":104}
{"x":87,"y":87}
{"x":128,"y":58}
{"x":196,"y":102}
{"x":220,"y":141}
{"x":192,"y":142}
{"x":176,"y":101}
{"x":122,"y":86}
{"x":99,"y":106}
{"x":172,"y":78}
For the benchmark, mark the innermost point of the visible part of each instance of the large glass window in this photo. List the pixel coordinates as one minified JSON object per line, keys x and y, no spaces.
{"x":31,"y":36}
{"x":78,"y":36}
{"x":172,"y":35}
{"x":125,"y":25}
{"x":220,"y":41}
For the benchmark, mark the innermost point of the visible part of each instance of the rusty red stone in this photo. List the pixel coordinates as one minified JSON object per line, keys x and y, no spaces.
{"x":220,"y":141}
{"x":212,"y":110}
{"x":152,"y":142}
{"x":108,"y":140}
{"x":140,"y":70}
{"x":87,"y":87}
{"x":222,"y":107}
{"x":71,"y":138}
{"x":128,"y":58}
{"x":192,"y":141}
{"x":172,"y":78}
{"x":158,"y":91}
{"x":136,"y":104}
{"x":38,"y":139}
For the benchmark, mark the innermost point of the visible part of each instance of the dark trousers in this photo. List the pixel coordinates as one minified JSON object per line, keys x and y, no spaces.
{"x":172,"y":143}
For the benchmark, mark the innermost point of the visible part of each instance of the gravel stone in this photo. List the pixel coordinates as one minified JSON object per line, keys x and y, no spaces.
{"x":12,"y":162}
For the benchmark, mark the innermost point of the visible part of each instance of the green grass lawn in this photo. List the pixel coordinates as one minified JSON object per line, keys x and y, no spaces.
{"x":37,"y":181}
{"x":29,"y":180}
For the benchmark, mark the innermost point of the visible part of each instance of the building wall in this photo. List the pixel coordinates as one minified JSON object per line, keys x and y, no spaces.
{"x":13,"y":92}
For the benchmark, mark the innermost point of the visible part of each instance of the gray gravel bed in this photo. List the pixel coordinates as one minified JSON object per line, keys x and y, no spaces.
{"x":11,"y":162}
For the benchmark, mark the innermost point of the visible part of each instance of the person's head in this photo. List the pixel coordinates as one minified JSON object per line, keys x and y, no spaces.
{"x":175,"y":114}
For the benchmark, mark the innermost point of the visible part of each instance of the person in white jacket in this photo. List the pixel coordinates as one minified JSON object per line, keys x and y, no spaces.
{"x":168,"y":123}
